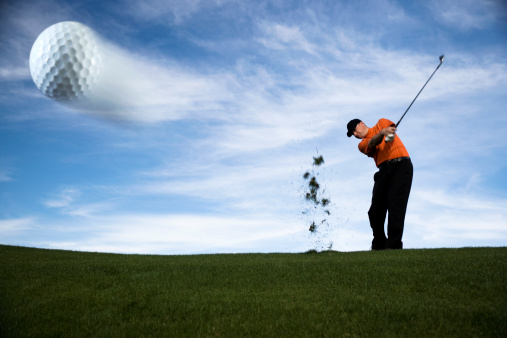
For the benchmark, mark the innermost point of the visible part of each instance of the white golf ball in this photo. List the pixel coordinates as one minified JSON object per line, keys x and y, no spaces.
{"x":65,"y":61}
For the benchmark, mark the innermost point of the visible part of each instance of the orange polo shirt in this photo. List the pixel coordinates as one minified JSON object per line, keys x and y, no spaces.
{"x":384,"y":151}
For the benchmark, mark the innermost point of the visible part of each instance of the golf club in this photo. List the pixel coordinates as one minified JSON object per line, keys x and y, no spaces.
{"x":390,"y":137}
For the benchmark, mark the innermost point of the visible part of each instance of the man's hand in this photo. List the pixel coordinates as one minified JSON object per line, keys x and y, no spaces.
{"x":390,"y":133}
{"x":377,"y":139}
{"x":389,"y":130}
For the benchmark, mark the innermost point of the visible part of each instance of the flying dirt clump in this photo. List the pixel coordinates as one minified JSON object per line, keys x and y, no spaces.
{"x":314,"y":186}
{"x":317,"y":161}
{"x":318,"y":211}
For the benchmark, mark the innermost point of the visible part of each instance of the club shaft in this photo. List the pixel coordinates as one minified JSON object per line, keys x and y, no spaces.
{"x":441,"y":60}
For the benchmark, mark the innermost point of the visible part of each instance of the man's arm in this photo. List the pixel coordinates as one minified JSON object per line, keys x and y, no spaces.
{"x":377,"y":139}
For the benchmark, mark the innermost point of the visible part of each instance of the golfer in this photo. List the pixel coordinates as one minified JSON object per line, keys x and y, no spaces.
{"x":392,"y":182}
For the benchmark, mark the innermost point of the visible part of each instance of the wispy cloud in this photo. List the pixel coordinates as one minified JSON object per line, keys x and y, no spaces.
{"x":6,"y":174}
{"x":11,"y":227}
{"x":455,"y":202}
{"x":64,"y":199}
{"x":159,"y":233}
{"x":468,"y":14}
{"x":173,"y":11}
{"x":69,"y":202}
{"x":277,"y":36}
{"x":18,"y":73}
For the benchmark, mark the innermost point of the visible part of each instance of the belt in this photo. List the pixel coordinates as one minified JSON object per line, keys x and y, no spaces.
{"x":393,"y":161}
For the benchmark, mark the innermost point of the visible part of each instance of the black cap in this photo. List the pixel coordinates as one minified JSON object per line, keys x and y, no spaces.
{"x":351,"y":126}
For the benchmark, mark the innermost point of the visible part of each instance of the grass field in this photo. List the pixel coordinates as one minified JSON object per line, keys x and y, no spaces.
{"x":404,"y":293}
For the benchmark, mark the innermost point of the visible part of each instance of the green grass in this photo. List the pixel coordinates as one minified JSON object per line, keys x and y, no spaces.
{"x":404,"y":293}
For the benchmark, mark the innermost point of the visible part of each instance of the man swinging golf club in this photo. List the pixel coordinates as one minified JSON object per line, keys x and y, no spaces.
{"x":393,"y":180}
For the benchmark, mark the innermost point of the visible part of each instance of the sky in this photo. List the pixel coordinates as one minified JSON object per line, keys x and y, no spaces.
{"x":219,"y":107}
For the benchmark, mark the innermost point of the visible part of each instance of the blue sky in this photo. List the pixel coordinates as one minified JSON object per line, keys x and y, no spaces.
{"x":222,"y":106}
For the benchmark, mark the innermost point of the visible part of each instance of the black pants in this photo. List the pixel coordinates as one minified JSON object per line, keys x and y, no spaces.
{"x":390,"y":194}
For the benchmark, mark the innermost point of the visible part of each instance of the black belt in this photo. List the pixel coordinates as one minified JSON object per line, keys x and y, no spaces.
{"x":393,"y":161}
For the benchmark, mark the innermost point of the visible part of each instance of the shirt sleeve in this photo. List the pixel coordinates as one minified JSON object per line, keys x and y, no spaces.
{"x":363,"y":147}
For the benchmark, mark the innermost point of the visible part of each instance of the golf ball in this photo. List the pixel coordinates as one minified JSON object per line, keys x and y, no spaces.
{"x":65,"y":61}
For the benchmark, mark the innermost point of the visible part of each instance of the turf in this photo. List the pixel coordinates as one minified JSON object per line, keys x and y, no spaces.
{"x":403,"y":293}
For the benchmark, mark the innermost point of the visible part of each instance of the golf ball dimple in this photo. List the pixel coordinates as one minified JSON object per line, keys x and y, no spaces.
{"x":65,"y":61}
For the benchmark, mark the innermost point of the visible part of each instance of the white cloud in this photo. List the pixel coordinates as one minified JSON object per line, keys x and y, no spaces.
{"x":11,"y":227}
{"x":69,"y":202}
{"x":467,"y":14}
{"x":170,"y":234}
{"x":13,"y":74}
{"x":6,"y":175}
{"x":172,"y":11}
{"x":88,"y":210}
{"x":278,"y":36}
{"x":65,"y":198}
{"x":458,"y":203}
{"x":249,"y":190}
{"x":453,"y":218}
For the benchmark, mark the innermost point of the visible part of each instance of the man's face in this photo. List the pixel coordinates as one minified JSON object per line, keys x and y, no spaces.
{"x":361,"y":130}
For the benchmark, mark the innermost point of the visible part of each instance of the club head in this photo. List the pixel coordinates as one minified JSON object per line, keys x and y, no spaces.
{"x":441,"y":58}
